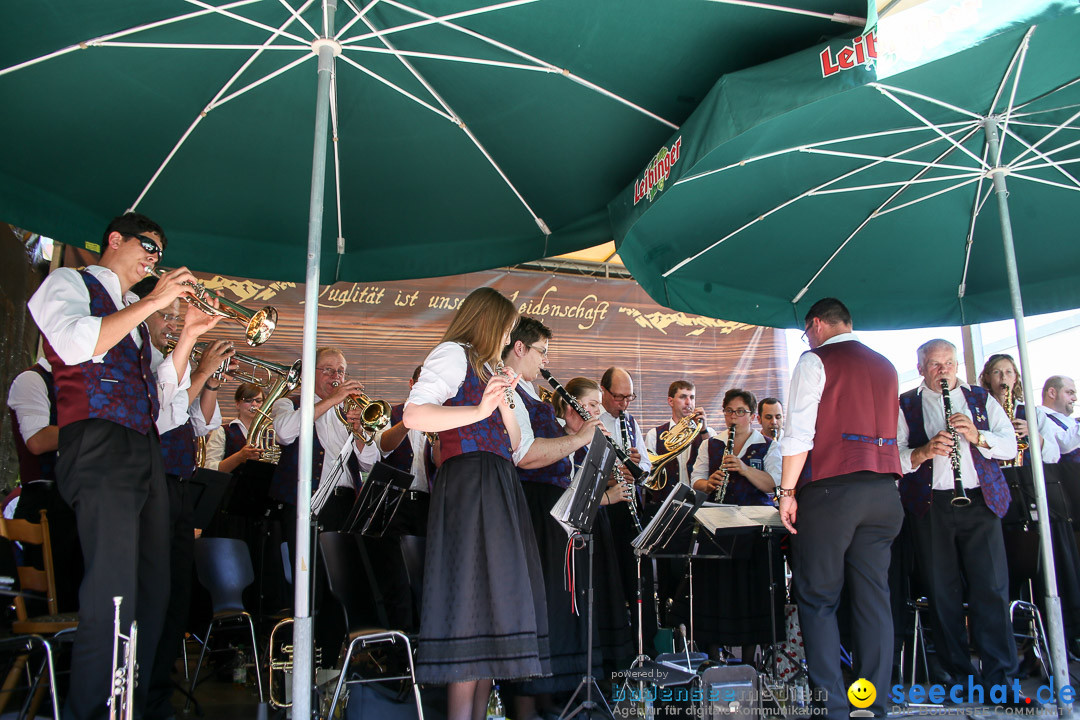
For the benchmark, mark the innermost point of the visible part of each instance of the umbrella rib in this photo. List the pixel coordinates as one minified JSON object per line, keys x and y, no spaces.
{"x":374,"y":75}
{"x":969,"y":241}
{"x":1017,"y":63}
{"x":539,"y":61}
{"x":121,"y":33}
{"x":1044,"y":181}
{"x":265,"y":78}
{"x":887,"y":92}
{"x":1046,"y":155}
{"x":299,"y":18}
{"x":337,"y":168}
{"x":1047,"y":94}
{"x":358,"y":14}
{"x":1041,"y":155}
{"x":1047,"y":136}
{"x":249,"y":21}
{"x":833,"y":17}
{"x":202,"y":46}
{"x":432,"y":19}
{"x":217,"y":100}
{"x":450,"y":58}
{"x":967,"y":181}
{"x":967,"y":177}
{"x":900,"y":161}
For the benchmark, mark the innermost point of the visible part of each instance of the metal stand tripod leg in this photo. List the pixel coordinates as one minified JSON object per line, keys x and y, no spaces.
{"x":588,"y":682}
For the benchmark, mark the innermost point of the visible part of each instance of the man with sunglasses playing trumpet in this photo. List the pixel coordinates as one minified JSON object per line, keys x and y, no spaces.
{"x":109,"y":467}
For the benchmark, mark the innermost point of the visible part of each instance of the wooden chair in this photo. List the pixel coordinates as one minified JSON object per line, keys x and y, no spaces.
{"x":42,"y":582}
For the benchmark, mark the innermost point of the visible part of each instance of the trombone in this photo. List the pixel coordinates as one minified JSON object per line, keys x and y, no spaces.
{"x":258,"y":324}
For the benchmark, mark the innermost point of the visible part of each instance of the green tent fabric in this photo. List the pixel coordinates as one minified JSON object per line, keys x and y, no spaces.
{"x":791,"y":186}
{"x":564,"y":97}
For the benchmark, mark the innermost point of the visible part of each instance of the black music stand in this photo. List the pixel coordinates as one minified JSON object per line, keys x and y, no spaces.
{"x":207,"y":489}
{"x":378,"y":501}
{"x":577,"y":509}
{"x":247,"y":495}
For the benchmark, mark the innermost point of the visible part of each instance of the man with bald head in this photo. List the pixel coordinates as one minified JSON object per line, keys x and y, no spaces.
{"x":1059,"y":399}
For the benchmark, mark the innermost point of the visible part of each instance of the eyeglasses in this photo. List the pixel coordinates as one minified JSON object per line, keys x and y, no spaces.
{"x":148,"y":244}
{"x":333,"y":372}
{"x":542,"y":350}
{"x":737,"y":412}
{"x":251,"y":401}
{"x":621,"y":398}
{"x":169,"y":318}
{"x":805,"y":340}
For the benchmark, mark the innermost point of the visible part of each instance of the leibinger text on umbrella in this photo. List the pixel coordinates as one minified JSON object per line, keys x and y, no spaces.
{"x":657,"y":172}
{"x":861,"y":51}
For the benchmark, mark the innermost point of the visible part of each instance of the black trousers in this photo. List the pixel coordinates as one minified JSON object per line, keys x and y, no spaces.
{"x":962,"y":549}
{"x":181,"y":561}
{"x":113,"y":479}
{"x":846,"y":526}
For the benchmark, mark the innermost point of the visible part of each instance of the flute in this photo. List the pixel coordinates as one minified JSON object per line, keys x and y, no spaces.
{"x":960,"y":498}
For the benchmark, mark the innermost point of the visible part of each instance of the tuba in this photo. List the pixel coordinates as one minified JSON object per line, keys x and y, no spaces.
{"x":258,"y":324}
{"x":678,"y":437}
{"x":374,"y":415}
{"x":1009,"y":405}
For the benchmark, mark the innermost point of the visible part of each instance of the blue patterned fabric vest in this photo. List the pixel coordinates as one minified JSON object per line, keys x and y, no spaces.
{"x":178,"y":451}
{"x":287,"y":473}
{"x":31,"y":466}
{"x":1072,"y":456}
{"x":402,"y":456}
{"x":545,"y":425}
{"x":120,"y":389}
{"x":671,"y":470}
{"x":741,"y":491}
{"x":915,"y":487}
{"x":488,"y":435}
{"x":235,"y":439}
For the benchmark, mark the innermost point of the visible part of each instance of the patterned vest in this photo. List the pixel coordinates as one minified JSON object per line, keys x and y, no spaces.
{"x":235,"y":439}
{"x":545,"y":425}
{"x":915,"y":487}
{"x":1072,"y":456}
{"x":178,"y":450}
{"x":488,"y":435}
{"x":671,"y":470}
{"x":741,"y":491}
{"x":856,"y":421}
{"x":120,"y":389}
{"x":31,"y":466}
{"x":287,"y":473}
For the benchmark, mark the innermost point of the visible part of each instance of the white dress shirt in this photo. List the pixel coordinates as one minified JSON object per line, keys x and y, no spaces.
{"x":522,"y":415}
{"x":418,"y":442}
{"x":652,"y":439}
{"x":1056,"y":441}
{"x":175,"y":409}
{"x":637,"y":439}
{"x":772,"y":461}
{"x":215,"y":447}
{"x":29,"y":398}
{"x":804,"y":396}
{"x":332,"y":434}
{"x":441,"y":375}
{"x":1000,"y":437}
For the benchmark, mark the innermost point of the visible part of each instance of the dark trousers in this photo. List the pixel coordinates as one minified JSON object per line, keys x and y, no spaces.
{"x":113,"y":479}
{"x":958,"y":547}
{"x":181,"y":561}
{"x":846,"y":526}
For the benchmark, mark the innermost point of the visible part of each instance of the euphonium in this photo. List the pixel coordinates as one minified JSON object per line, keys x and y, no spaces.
{"x":374,"y":415}
{"x":121,"y":700}
{"x":1009,"y":405}
{"x":678,"y":437}
{"x":260,"y":426}
{"x":258,"y":324}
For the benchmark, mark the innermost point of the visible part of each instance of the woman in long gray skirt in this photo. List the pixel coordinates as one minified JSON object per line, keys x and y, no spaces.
{"x":484,"y":615}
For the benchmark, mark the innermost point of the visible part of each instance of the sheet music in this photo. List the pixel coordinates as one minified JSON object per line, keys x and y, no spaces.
{"x":678,"y":504}
{"x":720,"y":517}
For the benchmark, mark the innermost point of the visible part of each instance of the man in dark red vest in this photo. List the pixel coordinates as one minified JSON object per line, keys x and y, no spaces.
{"x":109,"y":466}
{"x":838,"y":496}
{"x":960,"y":550}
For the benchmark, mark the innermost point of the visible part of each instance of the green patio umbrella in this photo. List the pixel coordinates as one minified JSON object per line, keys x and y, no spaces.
{"x":466,"y":135}
{"x":894,"y":182}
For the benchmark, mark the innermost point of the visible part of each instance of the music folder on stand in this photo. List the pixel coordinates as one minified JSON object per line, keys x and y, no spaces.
{"x":576,"y":511}
{"x":378,"y":501}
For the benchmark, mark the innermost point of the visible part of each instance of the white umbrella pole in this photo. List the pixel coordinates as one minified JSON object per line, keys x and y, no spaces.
{"x":303,"y":637}
{"x":1053,"y":601}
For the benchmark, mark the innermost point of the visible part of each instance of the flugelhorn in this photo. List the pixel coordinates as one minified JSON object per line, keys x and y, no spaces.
{"x":258,"y":324}
{"x":1008,"y":403}
{"x":678,"y":437}
{"x":960,"y":498}
{"x":374,"y":415}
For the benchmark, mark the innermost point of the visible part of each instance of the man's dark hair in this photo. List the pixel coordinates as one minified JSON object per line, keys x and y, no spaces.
{"x":528,"y":331}
{"x":830,"y":311}
{"x":605,"y":379}
{"x":132,"y":224}
{"x":145,"y":286}
{"x":767,"y":401}
{"x":679,"y":385}
{"x":416,"y":373}
{"x":745,"y":395}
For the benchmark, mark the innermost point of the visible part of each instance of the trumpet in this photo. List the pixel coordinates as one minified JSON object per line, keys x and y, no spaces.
{"x":729,"y":449}
{"x":288,"y":381}
{"x":960,"y":498}
{"x":678,"y":437}
{"x":258,"y":324}
{"x":121,"y":700}
{"x":1009,"y":405}
{"x":273,"y":370}
{"x":374,"y":415}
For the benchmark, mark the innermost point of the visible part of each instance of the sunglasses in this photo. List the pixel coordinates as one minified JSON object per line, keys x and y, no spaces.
{"x":148,"y":244}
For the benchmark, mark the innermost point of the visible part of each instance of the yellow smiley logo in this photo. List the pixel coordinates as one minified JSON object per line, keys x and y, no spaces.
{"x":862,"y":693}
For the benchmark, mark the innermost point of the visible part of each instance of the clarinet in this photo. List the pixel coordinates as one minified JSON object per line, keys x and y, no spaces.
{"x":639,"y":475}
{"x":960,"y":498}
{"x":624,"y":430}
{"x":729,"y":449}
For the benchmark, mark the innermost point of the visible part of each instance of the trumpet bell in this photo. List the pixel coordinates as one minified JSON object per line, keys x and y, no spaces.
{"x":261,"y":326}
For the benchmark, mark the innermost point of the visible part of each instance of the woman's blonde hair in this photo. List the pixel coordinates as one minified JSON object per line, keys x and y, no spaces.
{"x":577,"y":388}
{"x":481,"y":324}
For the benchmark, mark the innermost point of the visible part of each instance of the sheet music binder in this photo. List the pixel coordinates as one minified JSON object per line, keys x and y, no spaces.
{"x":378,"y":500}
{"x":733,"y":519}
{"x":679,"y":505}
{"x":579,"y":504}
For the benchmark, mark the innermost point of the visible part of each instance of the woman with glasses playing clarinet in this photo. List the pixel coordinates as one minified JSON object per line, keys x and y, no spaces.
{"x":484,"y":614}
{"x":737,"y":467}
